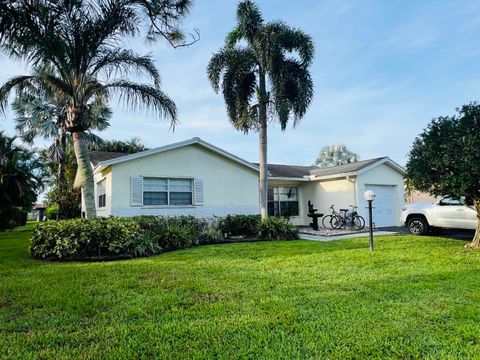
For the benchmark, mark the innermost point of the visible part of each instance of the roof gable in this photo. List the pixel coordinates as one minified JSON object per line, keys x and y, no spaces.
{"x":195,"y":141}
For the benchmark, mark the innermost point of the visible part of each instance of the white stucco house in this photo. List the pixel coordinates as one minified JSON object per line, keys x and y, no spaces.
{"x":194,"y":177}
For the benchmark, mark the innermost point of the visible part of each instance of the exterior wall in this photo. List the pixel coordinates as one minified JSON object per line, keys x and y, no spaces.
{"x":107,"y":176}
{"x":323,"y":194}
{"x":381,"y":175}
{"x":228,"y":187}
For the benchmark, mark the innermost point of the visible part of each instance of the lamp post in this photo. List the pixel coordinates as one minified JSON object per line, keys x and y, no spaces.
{"x":370,"y":196}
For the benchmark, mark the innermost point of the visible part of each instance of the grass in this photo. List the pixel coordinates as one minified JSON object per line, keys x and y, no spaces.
{"x":411,"y":298}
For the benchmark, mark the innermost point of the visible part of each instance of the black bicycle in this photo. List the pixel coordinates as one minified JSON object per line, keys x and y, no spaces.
{"x":345,"y":219}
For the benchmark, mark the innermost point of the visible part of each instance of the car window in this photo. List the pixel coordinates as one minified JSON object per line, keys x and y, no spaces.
{"x":451,"y":201}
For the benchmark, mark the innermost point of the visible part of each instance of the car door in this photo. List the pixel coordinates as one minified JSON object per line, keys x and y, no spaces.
{"x":470,"y":217}
{"x":450,"y":213}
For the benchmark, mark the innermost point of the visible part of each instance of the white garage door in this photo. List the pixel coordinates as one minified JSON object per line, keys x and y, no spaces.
{"x":383,"y":205}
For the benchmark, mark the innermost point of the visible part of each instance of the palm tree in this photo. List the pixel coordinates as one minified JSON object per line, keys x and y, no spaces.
{"x":40,"y":112}
{"x":334,"y":155}
{"x":261,"y":70}
{"x":81,"y":41}
{"x":20,"y":180}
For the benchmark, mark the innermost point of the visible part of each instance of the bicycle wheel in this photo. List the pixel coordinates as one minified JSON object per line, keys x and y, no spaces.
{"x":338,"y":222}
{"x":358,"y":223}
{"x":327,"y":222}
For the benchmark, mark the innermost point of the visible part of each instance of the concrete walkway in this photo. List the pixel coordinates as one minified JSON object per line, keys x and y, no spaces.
{"x":347,"y":236}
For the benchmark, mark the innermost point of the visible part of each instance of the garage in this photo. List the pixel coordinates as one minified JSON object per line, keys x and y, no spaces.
{"x":384,"y":204}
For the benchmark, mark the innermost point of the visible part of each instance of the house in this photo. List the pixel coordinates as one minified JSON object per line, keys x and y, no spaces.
{"x":194,"y":177}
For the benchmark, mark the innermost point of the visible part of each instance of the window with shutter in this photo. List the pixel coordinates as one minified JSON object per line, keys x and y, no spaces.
{"x":136,"y":191}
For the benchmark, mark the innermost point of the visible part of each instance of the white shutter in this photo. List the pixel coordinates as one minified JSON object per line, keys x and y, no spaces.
{"x":136,"y":189}
{"x":198,"y":191}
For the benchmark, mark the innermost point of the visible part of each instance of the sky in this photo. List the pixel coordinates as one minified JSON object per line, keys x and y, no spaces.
{"x":382,"y":71}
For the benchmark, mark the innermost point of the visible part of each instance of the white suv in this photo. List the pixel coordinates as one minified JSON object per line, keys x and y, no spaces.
{"x":448,"y":213}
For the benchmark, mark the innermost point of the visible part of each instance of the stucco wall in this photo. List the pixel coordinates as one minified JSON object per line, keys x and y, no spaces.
{"x":381,"y":175}
{"x":107,"y":176}
{"x":323,"y":194}
{"x":228,"y":187}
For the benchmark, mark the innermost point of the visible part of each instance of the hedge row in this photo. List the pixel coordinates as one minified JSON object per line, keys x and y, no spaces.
{"x":114,"y":237}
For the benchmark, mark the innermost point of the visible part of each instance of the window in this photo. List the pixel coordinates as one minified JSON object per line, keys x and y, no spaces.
{"x":102,"y":197}
{"x":283,"y":201}
{"x":161,"y":191}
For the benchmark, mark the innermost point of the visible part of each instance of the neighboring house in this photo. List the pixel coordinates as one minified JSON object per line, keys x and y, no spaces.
{"x":196,"y":178}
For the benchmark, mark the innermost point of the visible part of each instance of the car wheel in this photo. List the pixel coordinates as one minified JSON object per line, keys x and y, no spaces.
{"x":417,"y":226}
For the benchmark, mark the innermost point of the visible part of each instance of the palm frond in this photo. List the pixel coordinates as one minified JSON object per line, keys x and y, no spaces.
{"x":137,"y":95}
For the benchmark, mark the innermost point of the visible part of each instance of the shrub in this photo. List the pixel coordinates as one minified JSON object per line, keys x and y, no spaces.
{"x":81,"y":238}
{"x":275,"y":228}
{"x":211,"y":235}
{"x":240,"y":225}
{"x":175,"y":237}
{"x":51,"y":212}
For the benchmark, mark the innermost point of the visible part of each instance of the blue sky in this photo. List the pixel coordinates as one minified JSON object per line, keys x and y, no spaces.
{"x":382,"y":71}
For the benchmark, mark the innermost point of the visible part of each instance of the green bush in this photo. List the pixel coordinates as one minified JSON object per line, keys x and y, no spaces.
{"x":212,"y":234}
{"x":175,"y":237}
{"x":51,"y":212}
{"x":115,"y":237}
{"x":81,"y":238}
{"x":275,"y":228}
{"x":235,"y":225}
{"x":12,"y":217}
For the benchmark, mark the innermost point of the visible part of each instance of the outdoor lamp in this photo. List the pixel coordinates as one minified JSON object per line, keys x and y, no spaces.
{"x":370,"y":196}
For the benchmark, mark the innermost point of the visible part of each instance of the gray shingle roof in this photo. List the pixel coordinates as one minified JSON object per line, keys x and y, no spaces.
{"x":99,"y":156}
{"x":289,"y":171}
{"x":345,"y":169}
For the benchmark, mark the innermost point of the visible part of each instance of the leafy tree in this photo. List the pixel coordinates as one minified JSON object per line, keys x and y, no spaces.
{"x":81,"y":41}
{"x":445,"y":160}
{"x":334,"y":155}
{"x":20,"y":181}
{"x":263,"y":74}
{"x":40,"y":112}
{"x":131,"y":146}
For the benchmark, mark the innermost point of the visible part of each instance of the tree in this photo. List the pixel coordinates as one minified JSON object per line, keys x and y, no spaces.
{"x":40,"y":112}
{"x":263,"y":74}
{"x":81,"y":41}
{"x":444,"y":159}
{"x":334,"y":155}
{"x":131,"y":146}
{"x":20,"y":182}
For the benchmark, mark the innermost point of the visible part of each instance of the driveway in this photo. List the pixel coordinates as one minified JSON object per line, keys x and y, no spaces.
{"x":457,"y":234}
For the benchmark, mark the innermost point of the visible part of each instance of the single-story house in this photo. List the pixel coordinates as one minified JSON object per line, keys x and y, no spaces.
{"x":194,"y":177}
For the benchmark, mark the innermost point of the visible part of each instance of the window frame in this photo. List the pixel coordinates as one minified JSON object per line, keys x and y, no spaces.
{"x":279,"y":201}
{"x":101,"y":197}
{"x":168,"y":191}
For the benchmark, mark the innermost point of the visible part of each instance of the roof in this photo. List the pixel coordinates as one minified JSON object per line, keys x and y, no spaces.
{"x":302,"y":172}
{"x":289,"y":171}
{"x":99,"y":156}
{"x":347,"y":168}
{"x":195,"y":141}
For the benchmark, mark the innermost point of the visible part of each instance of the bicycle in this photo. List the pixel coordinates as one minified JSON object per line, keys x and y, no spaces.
{"x":344,"y":220}
{"x":328,"y":220}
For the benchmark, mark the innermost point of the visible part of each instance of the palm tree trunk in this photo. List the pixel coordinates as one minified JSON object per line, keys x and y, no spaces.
{"x":262,"y":133}
{"x":86,"y":173}
{"x":61,"y":177}
{"x":476,"y":239}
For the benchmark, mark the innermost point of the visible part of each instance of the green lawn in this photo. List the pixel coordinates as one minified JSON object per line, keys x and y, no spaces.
{"x":411,"y":298}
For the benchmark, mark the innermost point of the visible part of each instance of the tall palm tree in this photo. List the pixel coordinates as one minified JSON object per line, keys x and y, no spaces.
{"x":81,"y":41}
{"x":40,"y":112}
{"x":262,"y":70}
{"x":334,"y":155}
